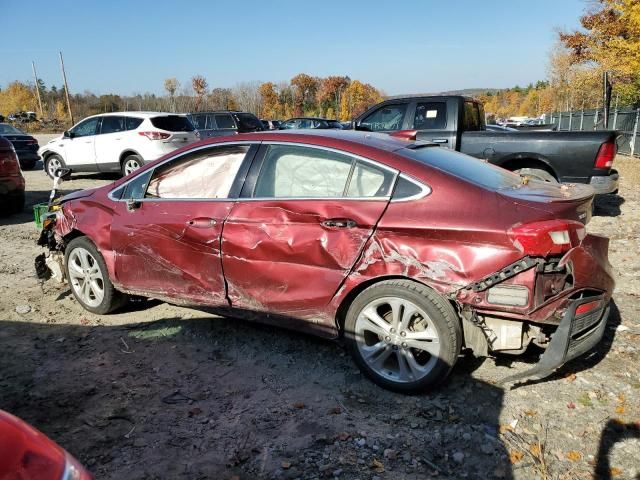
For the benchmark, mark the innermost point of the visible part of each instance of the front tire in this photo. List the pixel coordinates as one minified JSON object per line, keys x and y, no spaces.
{"x":52,"y":164}
{"x":89,"y":278}
{"x":403,"y":335}
{"x":130,"y":164}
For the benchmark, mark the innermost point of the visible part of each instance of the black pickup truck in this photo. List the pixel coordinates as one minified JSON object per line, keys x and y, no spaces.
{"x":458,"y":122}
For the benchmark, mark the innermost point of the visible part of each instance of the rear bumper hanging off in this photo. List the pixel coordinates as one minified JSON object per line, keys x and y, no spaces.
{"x":577,"y":334}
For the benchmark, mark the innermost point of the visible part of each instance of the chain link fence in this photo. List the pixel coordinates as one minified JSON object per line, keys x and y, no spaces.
{"x":623,"y":120}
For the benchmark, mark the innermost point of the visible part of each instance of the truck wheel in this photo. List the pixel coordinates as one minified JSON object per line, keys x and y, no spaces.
{"x":52,"y":164}
{"x":537,"y":174}
{"x":403,"y":335}
{"x":89,"y":278}
{"x":130,"y":164}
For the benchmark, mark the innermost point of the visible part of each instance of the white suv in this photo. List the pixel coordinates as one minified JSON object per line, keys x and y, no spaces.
{"x":117,"y":142}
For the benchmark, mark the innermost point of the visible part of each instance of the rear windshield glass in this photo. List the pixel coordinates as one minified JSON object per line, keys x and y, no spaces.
{"x":173,"y":123}
{"x":246,"y":121}
{"x":6,"y":129}
{"x":465,"y":167}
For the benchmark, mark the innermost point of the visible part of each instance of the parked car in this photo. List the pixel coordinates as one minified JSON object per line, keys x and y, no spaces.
{"x":28,"y":454}
{"x":458,"y":123}
{"x":117,"y":142}
{"x":26,"y":146}
{"x":220,"y":123}
{"x":11,"y":179}
{"x":23,"y":117}
{"x":391,"y":244}
{"x":499,"y":128}
{"x":270,"y":124}
{"x":310,"y":122}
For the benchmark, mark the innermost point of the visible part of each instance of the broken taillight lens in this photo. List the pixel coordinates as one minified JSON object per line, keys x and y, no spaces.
{"x":606,"y":154}
{"x":551,"y":237}
{"x":155,"y":135}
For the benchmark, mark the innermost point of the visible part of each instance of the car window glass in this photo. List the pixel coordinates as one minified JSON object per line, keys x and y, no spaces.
{"x":247,"y":121}
{"x":203,"y":174}
{"x":131,"y":123}
{"x":430,"y":116}
{"x":471,"y":120}
{"x":85,"y":128}
{"x":112,"y":124}
{"x":405,"y":189}
{"x":199,"y":121}
{"x":389,"y":117}
{"x":135,"y":188}
{"x":225,"y":121}
{"x":369,"y":181}
{"x":293,"y":171}
{"x":173,"y":123}
{"x":210,"y":123}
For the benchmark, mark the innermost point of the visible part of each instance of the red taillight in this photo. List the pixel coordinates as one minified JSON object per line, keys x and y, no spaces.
{"x":9,"y":164}
{"x":31,"y":142}
{"x":587,"y":307}
{"x":155,"y":135}
{"x":551,"y":237}
{"x":606,"y":154}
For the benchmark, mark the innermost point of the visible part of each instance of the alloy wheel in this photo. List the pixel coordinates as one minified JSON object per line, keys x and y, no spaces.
{"x":85,"y":277}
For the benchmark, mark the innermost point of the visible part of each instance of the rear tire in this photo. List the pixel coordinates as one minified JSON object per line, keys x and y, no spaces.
{"x":88,"y":278}
{"x":537,"y":174}
{"x":52,"y":164}
{"x":130,"y":164}
{"x":403,"y":335}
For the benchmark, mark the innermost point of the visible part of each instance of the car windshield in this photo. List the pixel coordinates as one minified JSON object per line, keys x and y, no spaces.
{"x":173,"y":123}
{"x":471,"y":169}
{"x":246,"y":121}
{"x":6,"y":129}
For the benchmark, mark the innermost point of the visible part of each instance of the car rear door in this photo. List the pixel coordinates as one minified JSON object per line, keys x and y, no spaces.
{"x":167,"y":224}
{"x":108,"y":143}
{"x":303,"y":219}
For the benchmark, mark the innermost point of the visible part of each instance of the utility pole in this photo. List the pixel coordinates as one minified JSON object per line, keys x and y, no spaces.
{"x":35,"y":76}
{"x":66,"y":88}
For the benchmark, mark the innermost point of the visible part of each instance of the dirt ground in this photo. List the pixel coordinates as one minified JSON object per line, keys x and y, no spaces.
{"x":162,"y":392}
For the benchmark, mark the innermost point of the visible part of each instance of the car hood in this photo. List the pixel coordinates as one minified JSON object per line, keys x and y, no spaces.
{"x":78,"y":194}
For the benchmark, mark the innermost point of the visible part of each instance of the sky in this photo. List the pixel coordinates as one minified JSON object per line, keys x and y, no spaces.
{"x":128,"y":47}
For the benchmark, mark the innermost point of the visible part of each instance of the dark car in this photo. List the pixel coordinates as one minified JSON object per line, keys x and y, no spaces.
{"x":11,"y":179}
{"x":26,"y":146}
{"x":310,"y":123}
{"x":271,"y":124}
{"x":217,"y":124}
{"x":392,"y":245}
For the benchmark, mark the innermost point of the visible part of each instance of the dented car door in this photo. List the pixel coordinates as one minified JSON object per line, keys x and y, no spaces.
{"x":166,"y":228}
{"x":302,"y":222}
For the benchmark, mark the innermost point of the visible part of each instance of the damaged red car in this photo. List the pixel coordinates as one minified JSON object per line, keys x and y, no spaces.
{"x":407,"y":251}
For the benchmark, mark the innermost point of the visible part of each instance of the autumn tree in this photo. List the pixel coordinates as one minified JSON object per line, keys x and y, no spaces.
{"x":17,"y":96}
{"x":357,"y":98}
{"x":305,"y":87}
{"x":222,"y":99}
{"x":610,"y":39}
{"x":200,"y":86}
{"x":329,"y":94}
{"x":269,"y":99}
{"x":171,"y":85}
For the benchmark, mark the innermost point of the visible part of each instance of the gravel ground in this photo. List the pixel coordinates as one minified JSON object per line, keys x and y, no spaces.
{"x":159,"y":391}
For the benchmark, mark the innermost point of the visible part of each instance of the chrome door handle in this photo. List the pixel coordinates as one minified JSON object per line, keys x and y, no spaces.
{"x":439,"y":140}
{"x":202,"y":222}
{"x":339,"y":223}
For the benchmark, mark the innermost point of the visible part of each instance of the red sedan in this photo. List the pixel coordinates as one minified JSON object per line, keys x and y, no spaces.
{"x":408,"y":251}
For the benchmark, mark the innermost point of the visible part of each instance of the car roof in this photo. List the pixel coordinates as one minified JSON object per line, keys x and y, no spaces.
{"x":136,"y":114}
{"x":218,"y":111}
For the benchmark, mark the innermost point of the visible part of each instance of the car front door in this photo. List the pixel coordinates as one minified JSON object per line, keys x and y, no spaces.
{"x":432,"y":122}
{"x":109,"y":143}
{"x":303,"y":219}
{"x":167,"y":225}
{"x":79,"y":147}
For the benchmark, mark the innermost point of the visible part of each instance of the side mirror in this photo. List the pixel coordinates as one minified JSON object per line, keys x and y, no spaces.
{"x":68,"y":134}
{"x":364,"y":128}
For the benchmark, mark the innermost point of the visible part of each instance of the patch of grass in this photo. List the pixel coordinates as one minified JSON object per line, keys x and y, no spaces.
{"x":585,"y":400}
{"x":156,"y":333}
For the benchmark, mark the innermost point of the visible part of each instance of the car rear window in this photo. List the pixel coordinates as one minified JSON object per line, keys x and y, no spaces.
{"x":471,"y":169}
{"x":247,"y":121}
{"x":132,"y":122}
{"x":173,"y":123}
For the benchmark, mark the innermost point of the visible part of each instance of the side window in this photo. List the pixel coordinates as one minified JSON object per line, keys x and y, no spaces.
{"x":369,"y":181}
{"x":471,"y":121}
{"x":225,"y":121}
{"x":112,"y":124}
{"x":131,"y":123}
{"x":406,"y":188}
{"x":389,"y":117}
{"x":210,"y":124}
{"x":86,"y":128}
{"x":199,"y":121}
{"x":135,"y":188}
{"x":203,"y":174}
{"x":292,"y":171}
{"x":430,"y":116}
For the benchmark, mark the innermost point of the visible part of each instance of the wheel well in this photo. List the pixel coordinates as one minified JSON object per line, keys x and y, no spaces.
{"x":126,"y":153}
{"x":517,"y":163}
{"x":73,"y":234}
{"x":341,"y":312}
